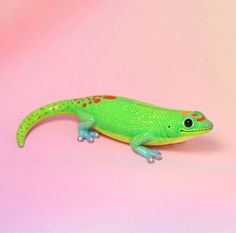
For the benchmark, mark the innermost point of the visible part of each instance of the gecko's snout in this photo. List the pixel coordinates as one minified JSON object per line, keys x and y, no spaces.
{"x":210,"y":125}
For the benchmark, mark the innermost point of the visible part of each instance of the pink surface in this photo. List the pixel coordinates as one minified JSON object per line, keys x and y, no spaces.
{"x":172,"y":53}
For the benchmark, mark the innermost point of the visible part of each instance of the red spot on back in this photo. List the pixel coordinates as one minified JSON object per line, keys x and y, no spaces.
{"x":109,"y":97}
{"x":96,"y":101}
{"x":194,"y":114}
{"x":84,"y":105}
{"x":90,"y":102}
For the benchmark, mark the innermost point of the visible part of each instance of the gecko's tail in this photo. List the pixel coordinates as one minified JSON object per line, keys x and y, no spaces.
{"x":61,"y":107}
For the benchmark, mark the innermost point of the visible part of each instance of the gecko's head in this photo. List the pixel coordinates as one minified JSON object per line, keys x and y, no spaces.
{"x":191,"y":124}
{"x":194,"y":123}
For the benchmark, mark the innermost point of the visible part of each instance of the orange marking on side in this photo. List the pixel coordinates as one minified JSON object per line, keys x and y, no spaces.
{"x":201,"y":119}
{"x":185,"y":113}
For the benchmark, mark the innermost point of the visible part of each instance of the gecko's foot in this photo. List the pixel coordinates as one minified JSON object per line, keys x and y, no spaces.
{"x":153,"y":155}
{"x":89,"y":135}
{"x":150,"y":154}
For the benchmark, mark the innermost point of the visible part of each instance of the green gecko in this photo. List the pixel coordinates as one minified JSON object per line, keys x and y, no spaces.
{"x":123,"y":119}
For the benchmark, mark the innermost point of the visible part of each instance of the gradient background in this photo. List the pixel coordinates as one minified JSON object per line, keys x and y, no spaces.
{"x":178,"y":54}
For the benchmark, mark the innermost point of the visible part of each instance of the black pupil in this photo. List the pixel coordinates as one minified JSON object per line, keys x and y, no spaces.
{"x":188,"y":122}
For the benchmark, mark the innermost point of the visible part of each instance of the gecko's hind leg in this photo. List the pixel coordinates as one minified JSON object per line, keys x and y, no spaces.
{"x":150,"y":154}
{"x":87,"y":121}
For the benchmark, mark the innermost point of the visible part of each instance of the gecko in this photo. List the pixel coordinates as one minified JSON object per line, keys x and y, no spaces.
{"x":124,"y":119}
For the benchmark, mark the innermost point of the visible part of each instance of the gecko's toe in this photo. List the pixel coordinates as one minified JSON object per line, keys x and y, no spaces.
{"x":150,"y":159}
{"x":96,"y":135}
{"x":80,"y":139}
{"x":157,"y":157}
{"x":93,"y":134}
{"x":90,"y":140}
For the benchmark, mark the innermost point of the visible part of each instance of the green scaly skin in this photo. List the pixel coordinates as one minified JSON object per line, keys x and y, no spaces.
{"x":125,"y":120}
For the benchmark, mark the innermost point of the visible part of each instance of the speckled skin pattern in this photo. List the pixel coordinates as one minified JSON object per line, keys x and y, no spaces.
{"x":123,"y":119}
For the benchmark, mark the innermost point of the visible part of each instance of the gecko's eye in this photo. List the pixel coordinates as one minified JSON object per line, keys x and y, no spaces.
{"x":188,"y":122}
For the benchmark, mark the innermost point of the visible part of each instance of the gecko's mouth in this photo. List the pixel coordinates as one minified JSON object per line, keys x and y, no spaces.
{"x":195,"y":131}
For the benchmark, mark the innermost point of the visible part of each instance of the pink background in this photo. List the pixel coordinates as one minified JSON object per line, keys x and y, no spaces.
{"x":178,"y":54}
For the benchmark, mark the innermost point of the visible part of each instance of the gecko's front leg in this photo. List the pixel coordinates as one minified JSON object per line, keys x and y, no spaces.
{"x":84,"y":128}
{"x":149,"y":154}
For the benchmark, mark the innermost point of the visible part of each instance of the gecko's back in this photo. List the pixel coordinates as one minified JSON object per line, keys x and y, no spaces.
{"x":121,"y":117}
